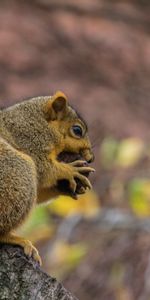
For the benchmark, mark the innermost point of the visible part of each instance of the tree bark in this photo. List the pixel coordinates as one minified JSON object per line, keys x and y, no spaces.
{"x":21,"y":278}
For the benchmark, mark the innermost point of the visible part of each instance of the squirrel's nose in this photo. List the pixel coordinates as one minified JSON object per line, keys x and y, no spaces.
{"x":87,"y":154}
{"x":91,"y":159}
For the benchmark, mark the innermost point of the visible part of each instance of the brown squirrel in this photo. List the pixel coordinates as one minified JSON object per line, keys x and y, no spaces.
{"x":32,"y":135}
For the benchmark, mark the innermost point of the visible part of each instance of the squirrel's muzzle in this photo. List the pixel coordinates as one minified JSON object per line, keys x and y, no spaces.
{"x":91,"y":159}
{"x":88,"y":155}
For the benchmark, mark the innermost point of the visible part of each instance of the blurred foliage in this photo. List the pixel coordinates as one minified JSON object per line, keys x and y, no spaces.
{"x":64,"y":257}
{"x":139,"y":197}
{"x":125,"y":153}
{"x":54,"y":223}
{"x":38,"y":226}
{"x":126,"y":162}
{"x":87,"y":205}
{"x":61,"y":256}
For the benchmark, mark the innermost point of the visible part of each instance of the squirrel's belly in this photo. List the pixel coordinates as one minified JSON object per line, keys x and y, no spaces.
{"x":18,"y":187}
{"x":11,"y":216}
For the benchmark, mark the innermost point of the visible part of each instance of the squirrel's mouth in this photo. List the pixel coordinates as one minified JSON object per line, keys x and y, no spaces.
{"x":69,"y":157}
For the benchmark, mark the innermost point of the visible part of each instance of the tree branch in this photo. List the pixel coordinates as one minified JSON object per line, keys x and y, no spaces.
{"x":21,"y":278}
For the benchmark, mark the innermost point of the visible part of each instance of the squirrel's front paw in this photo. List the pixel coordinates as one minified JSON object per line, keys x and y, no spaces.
{"x":79,"y":169}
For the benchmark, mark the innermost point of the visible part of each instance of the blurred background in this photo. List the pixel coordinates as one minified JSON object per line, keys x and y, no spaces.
{"x":98,"y":53}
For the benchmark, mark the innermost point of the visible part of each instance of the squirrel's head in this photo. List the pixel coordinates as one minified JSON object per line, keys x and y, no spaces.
{"x":71,"y":129}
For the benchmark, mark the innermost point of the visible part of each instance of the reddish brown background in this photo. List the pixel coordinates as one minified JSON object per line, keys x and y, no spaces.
{"x":98,"y":53}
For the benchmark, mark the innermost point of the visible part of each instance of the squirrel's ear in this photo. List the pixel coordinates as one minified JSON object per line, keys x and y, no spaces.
{"x":58,"y":105}
{"x":59,"y":102}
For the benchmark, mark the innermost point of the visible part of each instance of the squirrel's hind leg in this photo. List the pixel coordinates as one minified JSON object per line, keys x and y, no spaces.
{"x":29,"y":249}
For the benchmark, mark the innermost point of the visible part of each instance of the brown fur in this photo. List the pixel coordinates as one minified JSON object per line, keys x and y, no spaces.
{"x":32,"y":135}
{"x":18,"y":187}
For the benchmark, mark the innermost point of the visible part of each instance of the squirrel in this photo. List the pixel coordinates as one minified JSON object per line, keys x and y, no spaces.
{"x":32,"y":135}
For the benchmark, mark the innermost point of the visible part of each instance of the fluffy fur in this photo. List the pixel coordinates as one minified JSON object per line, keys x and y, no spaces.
{"x":32,"y":135}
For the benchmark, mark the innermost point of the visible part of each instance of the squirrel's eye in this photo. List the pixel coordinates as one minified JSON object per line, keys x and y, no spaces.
{"x":77,"y":130}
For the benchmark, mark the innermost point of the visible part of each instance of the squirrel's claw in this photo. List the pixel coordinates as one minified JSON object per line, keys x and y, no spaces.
{"x":86,"y":170}
{"x":30,"y":250}
{"x":79,"y":170}
{"x":27,"y":246}
{"x":78,"y":163}
{"x":73,"y":185}
{"x":84,"y":180}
